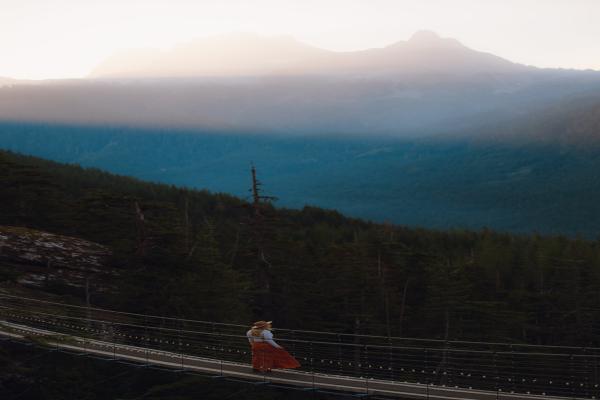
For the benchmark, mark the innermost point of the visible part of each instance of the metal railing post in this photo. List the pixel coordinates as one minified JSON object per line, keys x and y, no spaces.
{"x":497,"y":375}
{"x":114,"y":342}
{"x":571,"y":375}
{"x":427,"y":375}
{"x":391,"y":358}
{"x":426,"y":369}
{"x":587,"y":372}
{"x":216,"y":354}
{"x":180,"y":342}
{"x":339,"y":353}
{"x":513,"y":372}
{"x":312,"y":367}
{"x":367,"y":370}
{"x":597,"y":394}
{"x":427,"y":389}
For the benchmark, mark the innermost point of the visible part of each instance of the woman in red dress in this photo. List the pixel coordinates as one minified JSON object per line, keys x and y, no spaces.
{"x":266,"y":354}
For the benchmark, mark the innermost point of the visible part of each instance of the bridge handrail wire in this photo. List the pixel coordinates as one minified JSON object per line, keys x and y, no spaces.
{"x":286,"y":340}
{"x":441,"y":341}
{"x":514,"y":370}
{"x":556,"y":389}
{"x":372,"y":360}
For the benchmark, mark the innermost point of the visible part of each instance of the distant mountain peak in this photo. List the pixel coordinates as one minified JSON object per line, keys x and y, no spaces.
{"x":247,"y":54}
{"x":424,"y":36}
{"x":427,"y":38}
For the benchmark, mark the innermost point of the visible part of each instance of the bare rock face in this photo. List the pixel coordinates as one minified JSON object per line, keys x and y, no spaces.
{"x":40,"y":258}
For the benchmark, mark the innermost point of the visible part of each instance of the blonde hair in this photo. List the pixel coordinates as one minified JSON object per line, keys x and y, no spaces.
{"x":256,"y":331}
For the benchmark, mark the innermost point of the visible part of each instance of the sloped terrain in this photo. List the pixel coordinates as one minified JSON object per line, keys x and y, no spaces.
{"x":41,"y":258}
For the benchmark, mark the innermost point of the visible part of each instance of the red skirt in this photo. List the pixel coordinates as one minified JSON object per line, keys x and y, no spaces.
{"x":266,"y":357}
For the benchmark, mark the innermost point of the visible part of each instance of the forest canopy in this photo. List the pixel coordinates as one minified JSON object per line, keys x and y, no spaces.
{"x":212,"y":256}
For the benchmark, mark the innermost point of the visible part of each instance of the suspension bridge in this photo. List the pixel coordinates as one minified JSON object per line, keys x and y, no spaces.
{"x":355,"y":365}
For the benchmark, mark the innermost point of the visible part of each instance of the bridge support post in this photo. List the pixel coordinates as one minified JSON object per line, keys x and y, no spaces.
{"x":114,"y":343}
{"x":513,"y":372}
{"x":594,"y":384}
{"x":390,"y":359}
{"x":179,"y":339}
{"x":312,"y":368}
{"x":368,"y":370}
{"x":216,"y":354}
{"x":497,"y":375}
{"x":339,"y":353}
{"x":427,"y":376}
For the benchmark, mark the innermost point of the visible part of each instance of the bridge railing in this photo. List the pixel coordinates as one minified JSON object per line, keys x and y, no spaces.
{"x":564,"y":371}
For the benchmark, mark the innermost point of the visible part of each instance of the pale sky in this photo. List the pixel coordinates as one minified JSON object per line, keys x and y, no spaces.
{"x":42,"y":39}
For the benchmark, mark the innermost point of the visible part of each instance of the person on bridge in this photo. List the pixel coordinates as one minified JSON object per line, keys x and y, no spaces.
{"x":266,"y":354}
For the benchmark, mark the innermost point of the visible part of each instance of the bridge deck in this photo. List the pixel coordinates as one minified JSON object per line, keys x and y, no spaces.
{"x":308,"y":380}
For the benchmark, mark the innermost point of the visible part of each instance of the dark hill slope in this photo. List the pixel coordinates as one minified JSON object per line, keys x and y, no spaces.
{"x":209,"y":256}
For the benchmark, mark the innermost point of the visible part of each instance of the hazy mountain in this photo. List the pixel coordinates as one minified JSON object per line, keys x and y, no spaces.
{"x":424,"y":86}
{"x":226,"y":55}
{"x":251,"y":55}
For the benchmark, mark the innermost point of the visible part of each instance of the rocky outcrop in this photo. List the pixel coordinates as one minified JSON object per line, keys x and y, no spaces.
{"x":40,"y":259}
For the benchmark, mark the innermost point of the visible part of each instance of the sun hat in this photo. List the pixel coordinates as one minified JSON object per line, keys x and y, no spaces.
{"x":261,"y":324}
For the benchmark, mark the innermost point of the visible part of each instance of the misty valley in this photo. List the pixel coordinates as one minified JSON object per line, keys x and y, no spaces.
{"x":436,"y":183}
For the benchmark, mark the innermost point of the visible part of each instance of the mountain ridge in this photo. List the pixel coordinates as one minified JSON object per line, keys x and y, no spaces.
{"x":427,"y":85}
{"x":249,"y":54}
